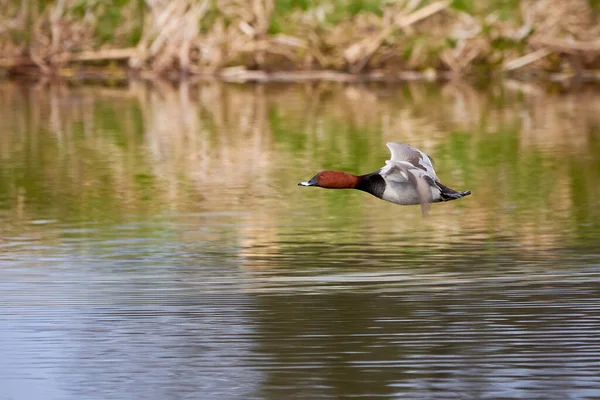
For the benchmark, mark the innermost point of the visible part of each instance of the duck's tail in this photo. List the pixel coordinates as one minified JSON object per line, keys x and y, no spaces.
{"x":448,"y":194}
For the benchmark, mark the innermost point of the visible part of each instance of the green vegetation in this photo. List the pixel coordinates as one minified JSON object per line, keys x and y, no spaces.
{"x":381,"y":39}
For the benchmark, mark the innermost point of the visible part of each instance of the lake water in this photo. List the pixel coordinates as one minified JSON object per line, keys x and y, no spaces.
{"x":154,"y":244}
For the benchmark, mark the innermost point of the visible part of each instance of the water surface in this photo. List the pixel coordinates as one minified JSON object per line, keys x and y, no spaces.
{"x":154,"y":244}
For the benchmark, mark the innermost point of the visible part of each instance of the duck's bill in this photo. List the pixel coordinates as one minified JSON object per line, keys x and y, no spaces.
{"x":312,"y":182}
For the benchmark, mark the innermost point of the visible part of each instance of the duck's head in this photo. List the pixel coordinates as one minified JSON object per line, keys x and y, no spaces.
{"x":332,"y":180}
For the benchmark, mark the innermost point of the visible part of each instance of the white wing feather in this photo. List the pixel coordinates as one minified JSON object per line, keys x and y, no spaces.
{"x":402,"y":171}
{"x":404,"y":153}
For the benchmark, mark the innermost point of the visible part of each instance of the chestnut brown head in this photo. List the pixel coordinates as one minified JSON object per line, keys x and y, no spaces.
{"x":332,"y":180}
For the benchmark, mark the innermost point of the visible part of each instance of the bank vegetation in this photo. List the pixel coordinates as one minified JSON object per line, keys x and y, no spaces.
{"x":260,"y":40}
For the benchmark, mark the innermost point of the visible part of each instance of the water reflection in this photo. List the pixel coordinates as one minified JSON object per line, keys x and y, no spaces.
{"x":153,"y":243}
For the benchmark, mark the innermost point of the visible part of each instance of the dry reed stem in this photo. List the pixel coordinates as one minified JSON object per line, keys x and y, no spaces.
{"x":408,"y":36}
{"x":422,"y":13}
{"x":526,"y":60}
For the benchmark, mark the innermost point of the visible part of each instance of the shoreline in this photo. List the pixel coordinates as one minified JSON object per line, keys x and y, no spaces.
{"x":330,"y":40}
{"x":243,"y":75}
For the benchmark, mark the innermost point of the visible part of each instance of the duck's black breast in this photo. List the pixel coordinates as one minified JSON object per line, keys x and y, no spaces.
{"x":372,"y":183}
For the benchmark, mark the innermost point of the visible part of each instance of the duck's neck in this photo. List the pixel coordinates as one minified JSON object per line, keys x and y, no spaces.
{"x":371,"y":183}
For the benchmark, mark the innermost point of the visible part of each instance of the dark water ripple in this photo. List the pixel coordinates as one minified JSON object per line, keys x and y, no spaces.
{"x":156,"y":317}
{"x":154,"y":244}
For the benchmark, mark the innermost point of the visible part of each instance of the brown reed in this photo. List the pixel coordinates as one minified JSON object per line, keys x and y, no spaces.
{"x":254,"y":40}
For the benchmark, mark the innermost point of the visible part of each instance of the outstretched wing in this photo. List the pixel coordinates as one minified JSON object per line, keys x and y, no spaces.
{"x":404,"y":153}
{"x":403,"y":171}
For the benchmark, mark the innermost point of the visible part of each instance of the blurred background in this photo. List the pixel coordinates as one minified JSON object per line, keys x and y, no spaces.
{"x":390,"y":39}
{"x":153,"y":241}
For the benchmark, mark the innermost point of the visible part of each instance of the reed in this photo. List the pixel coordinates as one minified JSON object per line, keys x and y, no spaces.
{"x":301,"y":39}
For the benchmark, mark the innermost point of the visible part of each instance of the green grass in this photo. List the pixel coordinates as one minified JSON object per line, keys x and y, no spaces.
{"x":332,"y":23}
{"x":334,"y":11}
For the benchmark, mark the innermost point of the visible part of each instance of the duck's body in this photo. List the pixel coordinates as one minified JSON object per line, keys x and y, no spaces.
{"x":408,"y":178}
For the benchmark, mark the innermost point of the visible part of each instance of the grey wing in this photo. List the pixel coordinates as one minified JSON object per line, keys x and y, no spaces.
{"x":404,"y":172}
{"x":407,"y":153}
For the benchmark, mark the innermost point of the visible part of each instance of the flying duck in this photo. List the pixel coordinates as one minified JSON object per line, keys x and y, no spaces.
{"x":408,"y":178}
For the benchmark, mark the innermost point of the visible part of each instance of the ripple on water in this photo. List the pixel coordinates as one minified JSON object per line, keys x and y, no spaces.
{"x":153,"y":245}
